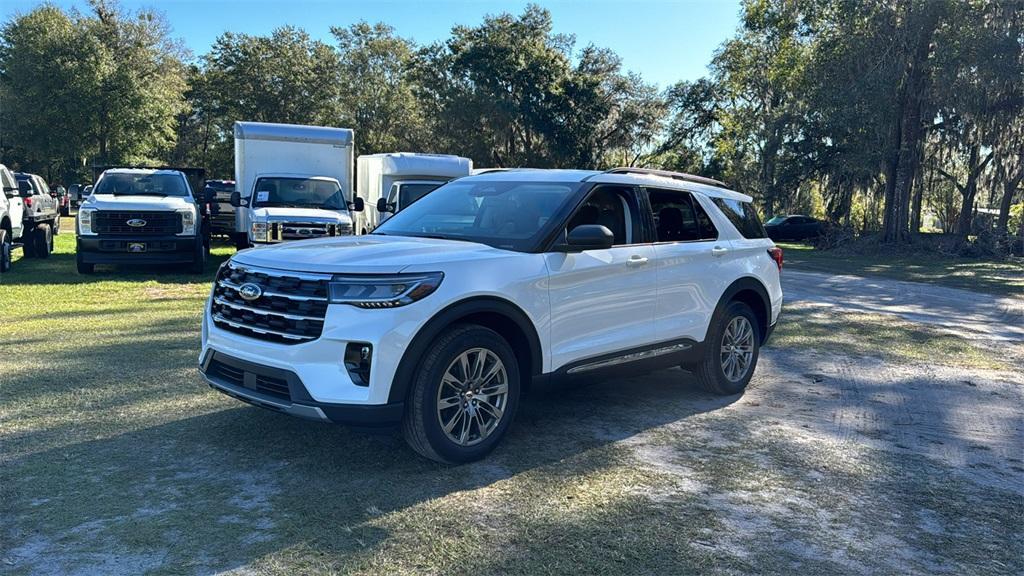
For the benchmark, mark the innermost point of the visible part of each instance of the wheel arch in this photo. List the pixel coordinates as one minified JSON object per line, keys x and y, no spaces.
{"x":752,"y":292}
{"x":5,"y":224}
{"x":495,"y":313}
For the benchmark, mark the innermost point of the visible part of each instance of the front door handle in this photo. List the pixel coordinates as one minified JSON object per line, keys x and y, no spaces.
{"x":636,"y":260}
{"x":719,"y":251}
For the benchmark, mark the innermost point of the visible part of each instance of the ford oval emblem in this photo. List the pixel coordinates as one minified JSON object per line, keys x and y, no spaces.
{"x":250,"y":291}
{"x":136,"y":222}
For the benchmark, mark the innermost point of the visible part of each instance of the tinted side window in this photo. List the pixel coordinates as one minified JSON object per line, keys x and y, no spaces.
{"x":678,"y":217}
{"x":607,"y":206}
{"x":743,"y":217}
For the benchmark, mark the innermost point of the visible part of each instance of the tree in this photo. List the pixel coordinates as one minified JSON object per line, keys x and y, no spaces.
{"x":377,"y":96}
{"x":286,"y":77}
{"x":104,"y":87}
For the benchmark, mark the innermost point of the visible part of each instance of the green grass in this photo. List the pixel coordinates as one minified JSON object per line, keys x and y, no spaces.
{"x":115,"y":457}
{"x":1004,"y":278}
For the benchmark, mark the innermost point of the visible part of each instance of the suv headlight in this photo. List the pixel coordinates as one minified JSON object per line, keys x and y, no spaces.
{"x":188,"y":222}
{"x":85,"y":221}
{"x":258,"y":232}
{"x":383,"y":291}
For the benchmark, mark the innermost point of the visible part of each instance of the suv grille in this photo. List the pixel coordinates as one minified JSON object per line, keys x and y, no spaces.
{"x":290,"y":310}
{"x":110,"y":222}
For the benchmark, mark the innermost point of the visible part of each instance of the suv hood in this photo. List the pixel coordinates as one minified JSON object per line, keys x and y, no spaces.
{"x":112,"y":202}
{"x":366,"y":254}
{"x":299,"y":215}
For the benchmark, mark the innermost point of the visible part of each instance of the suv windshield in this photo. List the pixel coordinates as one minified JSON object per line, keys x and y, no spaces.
{"x":299,"y":193}
{"x":506,"y":215}
{"x":131,"y":184}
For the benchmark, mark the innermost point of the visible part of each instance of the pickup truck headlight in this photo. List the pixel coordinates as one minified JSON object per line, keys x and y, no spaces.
{"x":383,"y":291}
{"x":258,"y":232}
{"x":188,"y":222}
{"x":85,"y":222}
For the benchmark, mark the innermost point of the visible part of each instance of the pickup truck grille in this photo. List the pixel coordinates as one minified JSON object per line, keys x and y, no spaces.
{"x":110,"y":222}
{"x":305,"y":230}
{"x":289,"y":310}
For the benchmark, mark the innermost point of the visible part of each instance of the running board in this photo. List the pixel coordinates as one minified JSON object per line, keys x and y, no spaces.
{"x":631,"y":357}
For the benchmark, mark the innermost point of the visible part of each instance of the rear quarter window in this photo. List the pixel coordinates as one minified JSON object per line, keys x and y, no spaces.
{"x":743,"y":216}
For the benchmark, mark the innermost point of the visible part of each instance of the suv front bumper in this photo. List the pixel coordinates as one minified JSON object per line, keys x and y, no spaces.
{"x":283,"y":391}
{"x":159,"y":249}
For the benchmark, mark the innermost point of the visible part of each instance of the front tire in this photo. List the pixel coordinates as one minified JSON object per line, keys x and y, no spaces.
{"x":199,"y":264}
{"x":730,"y":351}
{"x":83,"y":267}
{"x":464,"y":396}
{"x":241,"y":241}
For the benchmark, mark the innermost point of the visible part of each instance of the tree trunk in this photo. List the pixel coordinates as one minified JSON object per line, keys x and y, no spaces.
{"x":1009,"y":189}
{"x":970,"y":191}
{"x":911,"y":99}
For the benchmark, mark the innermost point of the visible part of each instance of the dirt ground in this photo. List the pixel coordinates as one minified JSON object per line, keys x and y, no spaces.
{"x":883,"y":433}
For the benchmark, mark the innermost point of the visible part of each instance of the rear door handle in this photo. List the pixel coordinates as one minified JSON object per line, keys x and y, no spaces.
{"x":718,"y":251}
{"x":636,"y":260}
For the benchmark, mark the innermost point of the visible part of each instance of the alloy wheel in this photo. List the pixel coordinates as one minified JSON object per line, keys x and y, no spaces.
{"x":472,"y":397}
{"x":737,"y":348}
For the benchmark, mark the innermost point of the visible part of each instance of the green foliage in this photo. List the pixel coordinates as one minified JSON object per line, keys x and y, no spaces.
{"x":76,"y":89}
{"x":377,"y":97}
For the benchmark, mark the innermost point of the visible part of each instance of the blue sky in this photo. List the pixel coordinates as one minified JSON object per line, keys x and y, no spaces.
{"x":665,"y":41}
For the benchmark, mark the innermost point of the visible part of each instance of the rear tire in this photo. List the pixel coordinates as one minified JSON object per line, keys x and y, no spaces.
{"x":42,"y":241}
{"x":464,"y":396}
{"x":730,"y":351}
{"x":5,"y":251}
{"x":28,"y":248}
{"x":83,"y":268}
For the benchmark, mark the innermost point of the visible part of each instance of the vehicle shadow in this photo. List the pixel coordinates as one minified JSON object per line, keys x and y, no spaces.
{"x":59,"y":269}
{"x":233,"y":483}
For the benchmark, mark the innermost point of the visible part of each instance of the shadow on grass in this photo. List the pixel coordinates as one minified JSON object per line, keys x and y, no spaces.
{"x":60,"y":269}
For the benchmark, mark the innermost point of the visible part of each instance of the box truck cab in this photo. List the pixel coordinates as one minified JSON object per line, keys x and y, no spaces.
{"x":292,"y":182}
{"x":390,"y":182}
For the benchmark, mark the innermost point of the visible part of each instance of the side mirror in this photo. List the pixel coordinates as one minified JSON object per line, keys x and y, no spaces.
{"x":236,"y":200}
{"x":10,"y":191}
{"x":357,"y":205}
{"x":384,"y":206}
{"x":589,"y":237}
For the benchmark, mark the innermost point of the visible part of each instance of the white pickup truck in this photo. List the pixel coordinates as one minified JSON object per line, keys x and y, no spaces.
{"x":291,"y":183}
{"x":138,"y":216}
{"x":11,"y":217}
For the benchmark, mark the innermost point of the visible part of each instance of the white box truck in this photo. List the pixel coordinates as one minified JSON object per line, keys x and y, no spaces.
{"x":389,"y":182}
{"x":292,"y":182}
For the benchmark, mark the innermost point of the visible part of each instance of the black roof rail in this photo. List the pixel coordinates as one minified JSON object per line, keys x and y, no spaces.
{"x":668,"y":174}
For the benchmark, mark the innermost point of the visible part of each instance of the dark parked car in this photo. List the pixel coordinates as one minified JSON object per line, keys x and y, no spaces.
{"x":63,"y":199}
{"x":222,"y":213}
{"x":794,"y":228}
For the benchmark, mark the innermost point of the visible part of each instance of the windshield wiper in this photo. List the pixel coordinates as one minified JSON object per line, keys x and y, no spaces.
{"x":142,"y":194}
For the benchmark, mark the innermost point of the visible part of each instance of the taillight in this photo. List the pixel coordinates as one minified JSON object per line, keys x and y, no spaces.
{"x":28,"y":202}
{"x":776,"y":254}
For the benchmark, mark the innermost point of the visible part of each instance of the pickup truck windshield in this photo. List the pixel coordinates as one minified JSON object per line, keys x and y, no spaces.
{"x":127,"y":184}
{"x":509,"y":215}
{"x":299,"y":193}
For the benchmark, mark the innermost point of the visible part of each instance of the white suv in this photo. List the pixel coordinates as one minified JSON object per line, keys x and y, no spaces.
{"x":447,"y":313}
